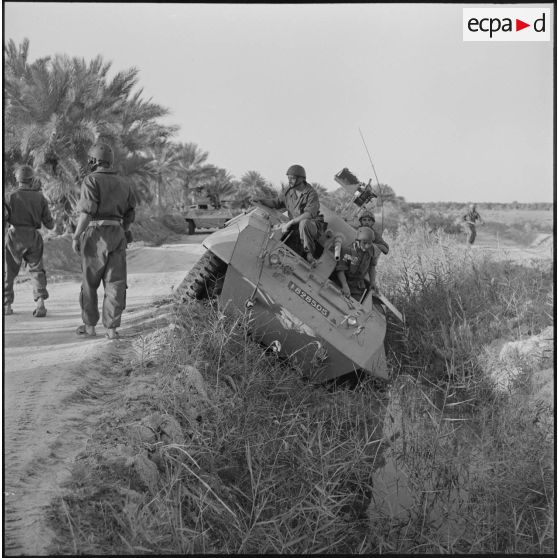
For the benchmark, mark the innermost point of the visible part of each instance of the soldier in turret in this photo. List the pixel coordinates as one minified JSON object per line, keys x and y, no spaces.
{"x":303,"y":206}
{"x":367,"y":219}
{"x":356,"y":269}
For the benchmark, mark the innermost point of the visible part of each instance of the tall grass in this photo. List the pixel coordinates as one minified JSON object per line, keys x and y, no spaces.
{"x":263,"y":461}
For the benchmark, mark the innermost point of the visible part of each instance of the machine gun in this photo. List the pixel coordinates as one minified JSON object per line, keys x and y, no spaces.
{"x":361,"y":193}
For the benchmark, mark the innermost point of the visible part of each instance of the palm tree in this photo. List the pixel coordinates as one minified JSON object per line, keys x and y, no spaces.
{"x":253,"y":185}
{"x":56,"y":108}
{"x":193,"y":170}
{"x":219,"y":187}
{"x":163,"y":165}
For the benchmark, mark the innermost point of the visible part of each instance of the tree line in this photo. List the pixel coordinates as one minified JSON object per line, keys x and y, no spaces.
{"x":57,"y":107}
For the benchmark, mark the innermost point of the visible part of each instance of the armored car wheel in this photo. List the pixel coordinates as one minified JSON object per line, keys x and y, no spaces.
{"x":205,"y":280}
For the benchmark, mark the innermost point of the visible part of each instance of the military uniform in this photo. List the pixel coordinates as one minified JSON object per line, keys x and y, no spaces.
{"x":380,"y":242}
{"x":470,"y":218}
{"x":356,"y":264}
{"x":110,"y":203}
{"x":296,"y":203}
{"x":27,"y":210}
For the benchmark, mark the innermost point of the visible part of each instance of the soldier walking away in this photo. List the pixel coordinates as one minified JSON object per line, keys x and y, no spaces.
{"x":356,"y":269}
{"x":106,"y":210}
{"x":469,"y":220}
{"x":303,"y":207}
{"x":26,"y":210}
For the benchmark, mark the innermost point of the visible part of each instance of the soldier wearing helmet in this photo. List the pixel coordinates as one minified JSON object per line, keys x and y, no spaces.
{"x":27,"y":210}
{"x":303,"y":207}
{"x":107,"y":209}
{"x":469,"y":220}
{"x":356,"y":267}
{"x":367,"y":219}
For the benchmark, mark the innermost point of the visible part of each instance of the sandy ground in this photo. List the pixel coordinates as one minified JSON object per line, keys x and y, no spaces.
{"x":502,"y":248}
{"x":55,"y":384}
{"x":47,"y":371}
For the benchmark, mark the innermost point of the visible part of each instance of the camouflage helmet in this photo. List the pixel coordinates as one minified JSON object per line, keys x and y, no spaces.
{"x":365,"y":233}
{"x":296,"y":170}
{"x":101,"y":152}
{"x":25,"y":173}
{"x":367,"y":215}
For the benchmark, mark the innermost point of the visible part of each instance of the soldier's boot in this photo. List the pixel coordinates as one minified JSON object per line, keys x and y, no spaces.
{"x":112,"y":333}
{"x":40,"y":310}
{"x":8,"y":309}
{"x":86,"y":331}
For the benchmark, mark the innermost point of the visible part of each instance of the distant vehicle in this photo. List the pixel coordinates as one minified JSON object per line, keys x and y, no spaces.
{"x":206,"y":216}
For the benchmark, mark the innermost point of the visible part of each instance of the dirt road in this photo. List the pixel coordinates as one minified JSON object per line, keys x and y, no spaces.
{"x":55,"y":383}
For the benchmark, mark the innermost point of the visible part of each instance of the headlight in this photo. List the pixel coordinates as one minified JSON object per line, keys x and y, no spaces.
{"x":352,"y":321}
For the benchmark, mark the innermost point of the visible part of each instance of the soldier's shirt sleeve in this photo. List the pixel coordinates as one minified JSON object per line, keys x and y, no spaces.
{"x":7,"y":211}
{"x":342,"y":264}
{"x":89,"y":197}
{"x":375,"y":256}
{"x":130,"y":214}
{"x":46,"y":216}
{"x":381,"y":243}
{"x":312,"y":205}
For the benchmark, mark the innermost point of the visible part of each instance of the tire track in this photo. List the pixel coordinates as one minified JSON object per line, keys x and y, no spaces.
{"x":56,"y":386}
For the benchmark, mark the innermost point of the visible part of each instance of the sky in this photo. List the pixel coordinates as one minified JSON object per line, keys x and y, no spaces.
{"x":264,"y":86}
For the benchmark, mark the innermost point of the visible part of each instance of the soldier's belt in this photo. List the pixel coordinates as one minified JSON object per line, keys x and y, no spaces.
{"x":14,"y":227}
{"x":112,"y":222}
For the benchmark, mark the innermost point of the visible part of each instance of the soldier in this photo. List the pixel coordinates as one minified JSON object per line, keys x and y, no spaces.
{"x":367,"y":219}
{"x":27,"y":209}
{"x":469,"y":220}
{"x":357,"y":266}
{"x":303,"y":206}
{"x":107,"y":209}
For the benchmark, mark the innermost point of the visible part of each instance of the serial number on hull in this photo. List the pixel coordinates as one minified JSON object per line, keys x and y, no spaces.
{"x":307,"y":298}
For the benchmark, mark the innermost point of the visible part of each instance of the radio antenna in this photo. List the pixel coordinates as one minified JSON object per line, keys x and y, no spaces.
{"x":375,"y":175}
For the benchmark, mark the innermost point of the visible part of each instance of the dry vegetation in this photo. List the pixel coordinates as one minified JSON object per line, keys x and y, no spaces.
{"x":216,"y":446}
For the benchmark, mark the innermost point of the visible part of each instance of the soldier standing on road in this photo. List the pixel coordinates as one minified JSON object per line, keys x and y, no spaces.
{"x":469,"y":220}
{"x":27,"y":209}
{"x":107,"y":209}
{"x":356,"y":268}
{"x":303,"y":206}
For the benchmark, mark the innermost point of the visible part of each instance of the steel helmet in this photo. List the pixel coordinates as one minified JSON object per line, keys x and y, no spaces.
{"x":101,"y":152}
{"x":24,"y":174}
{"x":365,"y":233}
{"x":296,"y":170}
{"x":367,"y":214}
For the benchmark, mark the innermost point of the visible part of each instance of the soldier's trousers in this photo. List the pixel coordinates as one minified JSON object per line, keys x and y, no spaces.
{"x":357,"y":287}
{"x":471,"y":233}
{"x":24,"y":244}
{"x":103,"y":258}
{"x":308,"y":232}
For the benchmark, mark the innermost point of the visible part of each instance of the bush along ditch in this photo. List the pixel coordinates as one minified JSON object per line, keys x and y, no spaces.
{"x":217,"y":446}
